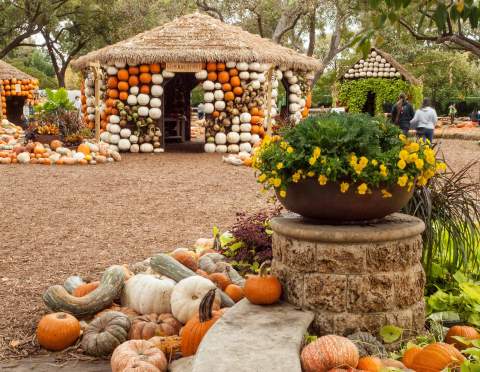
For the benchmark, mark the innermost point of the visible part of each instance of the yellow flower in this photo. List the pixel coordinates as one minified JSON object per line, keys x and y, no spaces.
{"x":386,"y":194}
{"x":323,"y":161}
{"x":311,"y":174}
{"x":353,"y":160}
{"x":276,"y":138}
{"x":296,"y":177}
{"x":413,"y":147}
{"x":344,"y":187}
{"x":403,"y":138}
{"x":363,"y":161}
{"x":419,"y":164}
{"x":277,"y":182}
{"x":283,"y":193}
{"x":283,"y":145}
{"x":401,"y":164}
{"x":402,"y":181}
{"x":312,"y":160}
{"x":383,"y":170}
{"x":374,"y":162}
{"x":362,"y":189}
{"x":316,"y":152}
{"x":289,"y":149}
{"x":358,"y":168}
{"x":421,"y":181}
{"x":429,"y":173}
{"x":403,"y":155}
{"x":266,"y":140}
{"x":410,"y":185}
{"x":279,"y":165}
{"x":441,"y":166}
{"x":322,"y":180}
{"x":430,"y":158}
{"x":412,"y":158}
{"x":262,"y":177}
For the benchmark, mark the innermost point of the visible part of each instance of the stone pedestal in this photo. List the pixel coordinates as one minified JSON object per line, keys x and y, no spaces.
{"x":353,"y":277}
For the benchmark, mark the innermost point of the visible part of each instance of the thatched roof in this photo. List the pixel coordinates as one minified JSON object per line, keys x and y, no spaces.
{"x":198,"y":38}
{"x":8,"y":72}
{"x":393,"y":63}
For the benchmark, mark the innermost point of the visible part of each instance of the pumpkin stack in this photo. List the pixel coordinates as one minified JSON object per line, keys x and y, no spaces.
{"x":374,"y":66}
{"x":88,"y":101}
{"x":18,"y":88}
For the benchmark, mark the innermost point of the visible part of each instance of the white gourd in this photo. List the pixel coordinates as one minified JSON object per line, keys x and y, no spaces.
{"x":112,"y":70}
{"x":217,"y":86}
{"x":124,"y":144}
{"x":274,"y":93}
{"x":235,"y":128}
{"x":245,"y":117}
{"x":302,"y":102}
{"x":221,"y":149}
{"x":295,"y":88}
{"x":246,"y":127}
{"x":236,"y":120}
{"x":244,"y":75}
{"x":143,"y":111}
{"x":218,"y":94}
{"x":242,"y":66}
{"x":275,"y":84}
{"x":293,"y":98}
{"x":243,"y":155}
{"x":187,"y":295}
{"x":233,"y":137}
{"x":120,"y":64}
{"x":293,"y":80}
{"x":134,"y":148}
{"x":208,"y":108}
{"x":155,"y":102}
{"x":168,"y":74}
{"x":125,"y":133}
{"x":245,"y":136}
{"x":134,"y":92}
{"x":279,"y":75}
{"x":157,"y":79}
{"x":201,"y":75}
{"x":143,"y":99}
{"x":114,"y":139}
{"x":208,"y":97}
{"x":294,"y":107}
{"x":254,"y":66}
{"x":220,"y":105}
{"x":114,"y":119}
{"x":146,"y":147}
{"x":91,"y":110}
{"x":155,"y":113}
{"x":90,"y":101}
{"x":23,"y":157}
{"x":114,"y":128}
{"x":261,"y":78}
{"x":254,"y":139}
{"x":105,"y":136}
{"x":288,"y":74}
{"x":233,"y":149}
{"x":209,"y":147}
{"x":156,"y":91}
{"x":220,"y":138}
{"x":253,"y":75}
{"x":255,"y":84}
{"x":148,"y":294}
{"x":247,"y":147}
{"x":133,"y":138}
{"x":230,"y":64}
{"x":112,"y":147}
{"x":208,"y":85}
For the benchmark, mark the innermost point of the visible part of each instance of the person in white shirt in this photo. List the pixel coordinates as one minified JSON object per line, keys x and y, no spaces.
{"x":425,"y":120}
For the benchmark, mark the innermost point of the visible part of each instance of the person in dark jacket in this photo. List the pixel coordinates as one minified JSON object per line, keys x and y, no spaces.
{"x":402,"y":113}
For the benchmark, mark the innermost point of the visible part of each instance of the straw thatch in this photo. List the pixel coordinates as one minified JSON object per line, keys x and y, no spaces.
{"x":198,"y":38}
{"x":8,"y":72}
{"x":395,"y":64}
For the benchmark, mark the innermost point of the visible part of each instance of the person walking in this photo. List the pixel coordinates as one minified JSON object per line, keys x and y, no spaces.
{"x":402,"y":113}
{"x":425,"y":120}
{"x":452,"y":112}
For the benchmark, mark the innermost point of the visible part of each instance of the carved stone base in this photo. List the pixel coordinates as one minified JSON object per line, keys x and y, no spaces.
{"x":353,"y":277}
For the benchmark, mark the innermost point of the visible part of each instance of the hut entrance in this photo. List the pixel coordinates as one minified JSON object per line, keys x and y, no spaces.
{"x":15,"y":109}
{"x":177,"y":107}
{"x":369,"y":106}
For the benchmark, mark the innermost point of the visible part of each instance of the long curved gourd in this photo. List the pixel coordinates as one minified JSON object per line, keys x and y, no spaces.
{"x":170,"y":267}
{"x":58,"y":299}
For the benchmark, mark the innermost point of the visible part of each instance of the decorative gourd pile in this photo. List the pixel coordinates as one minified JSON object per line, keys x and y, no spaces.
{"x":18,"y":87}
{"x":10,"y":135}
{"x":88,"y":100}
{"x":374,"y":66}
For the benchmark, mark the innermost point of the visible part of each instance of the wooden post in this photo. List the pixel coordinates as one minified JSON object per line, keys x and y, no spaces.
{"x":269,"y":100}
{"x":1,"y":100}
{"x":97,"y":75}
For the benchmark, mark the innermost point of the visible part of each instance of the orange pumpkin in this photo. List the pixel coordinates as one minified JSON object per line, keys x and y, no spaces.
{"x":133,"y":80}
{"x":256,"y":120}
{"x":221,"y":280}
{"x":466,"y":332}
{"x":248,"y":162}
{"x":221,"y":66}
{"x":435,"y":357}
{"x":155,"y":68}
{"x":212,"y":76}
{"x":55,"y":144}
{"x":145,"y":78}
{"x":238,"y":91}
{"x":202,"y":273}
{"x":409,"y":355}
{"x":235,"y":82}
{"x":262,"y":289}
{"x":226,"y":87}
{"x":145,"y":89}
{"x":186,"y":258}
{"x":255,"y":129}
{"x":57,"y":331}
{"x":122,"y":75}
{"x":110,"y":102}
{"x":134,"y":351}
{"x":229,"y":96}
{"x":235,"y":292}
{"x":133,"y":70}
{"x":211,"y":66}
{"x":123,"y":86}
{"x":233,"y":72}
{"x":254,"y":111}
{"x":144,"y":68}
{"x":223,"y":77}
{"x":83,"y":147}
{"x":370,"y":364}
{"x":84,"y":289}
{"x":112,"y":93}
{"x":216,"y":114}
{"x":196,"y":328}
{"x":112,"y":82}
{"x":123,"y":96}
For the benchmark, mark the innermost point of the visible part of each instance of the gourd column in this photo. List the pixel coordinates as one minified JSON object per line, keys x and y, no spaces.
{"x":353,"y":277}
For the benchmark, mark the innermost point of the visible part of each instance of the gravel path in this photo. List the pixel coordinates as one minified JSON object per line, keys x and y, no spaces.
{"x":60,"y":221}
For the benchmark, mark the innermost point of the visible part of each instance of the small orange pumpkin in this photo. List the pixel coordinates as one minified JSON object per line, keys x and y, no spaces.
{"x":123,"y":96}
{"x":133,"y":70}
{"x":84,"y":289}
{"x":256,"y":119}
{"x":123,"y":86}
{"x":238,"y":91}
{"x":248,"y":162}
{"x":112,"y":82}
{"x":216,"y":114}
{"x":155,"y":68}
{"x":235,"y":82}
{"x":58,"y":331}
{"x":466,"y":332}
{"x":83,"y":147}
{"x":186,"y":258}
{"x":226,"y":87}
{"x":233,"y":72}
{"x":235,"y":292}
{"x":262,"y":289}
{"x":145,"y":89}
{"x":145,"y":78}
{"x":223,"y":77}
{"x":370,"y":364}
{"x":198,"y":326}
{"x":409,"y":355}
{"x":112,"y":93}
{"x":133,"y":80}
{"x":229,"y":96}
{"x":55,"y":144}
{"x":144,"y":68}
{"x":221,"y":280}
{"x":122,"y":75}
{"x":435,"y":357}
{"x":221,"y":66}
{"x":211,"y":66}
{"x":212,"y":76}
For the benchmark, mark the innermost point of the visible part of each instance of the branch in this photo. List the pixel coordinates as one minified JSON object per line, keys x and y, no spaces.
{"x":202,"y":4}
{"x":312,"y":35}
{"x":412,"y":31}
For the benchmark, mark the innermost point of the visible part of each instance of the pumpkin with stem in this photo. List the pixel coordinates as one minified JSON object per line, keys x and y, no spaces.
{"x":466,"y":332}
{"x":221,"y":280}
{"x":137,"y":350}
{"x":262,"y":289}
{"x":58,"y":331}
{"x":197,"y":327}
{"x":435,"y":357}
{"x":147,"y":326}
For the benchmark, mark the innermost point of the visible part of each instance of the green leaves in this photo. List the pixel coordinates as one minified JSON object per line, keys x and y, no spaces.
{"x":390,"y":333}
{"x":56,"y":101}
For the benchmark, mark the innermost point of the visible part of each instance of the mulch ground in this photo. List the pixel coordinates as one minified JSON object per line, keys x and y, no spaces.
{"x":61,"y":221}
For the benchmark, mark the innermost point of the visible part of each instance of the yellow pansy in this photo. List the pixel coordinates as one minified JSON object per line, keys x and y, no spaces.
{"x":421,"y":181}
{"x":283,"y":145}
{"x":279,"y":165}
{"x":312,"y":160}
{"x":383,"y":170}
{"x":429,"y":173}
{"x":410,"y":185}
{"x":316,"y":152}
{"x":362,"y":189}
{"x":419,"y":164}
{"x":311,"y":174}
{"x":441,"y":166}
{"x":283,"y":193}
{"x":322,"y":180}
{"x":358,"y":168}
{"x":403,"y":155}
{"x":262,"y":177}
{"x":413,"y":147}
{"x":403,"y":138}
{"x":430,"y":158}
{"x":363,"y":161}
{"x":344,"y":187}
{"x":289,"y":149}
{"x":402,"y":180}
{"x":277,"y":182}
{"x":374,"y":162}
{"x":401,"y":164}
{"x":386,"y":194}
{"x":412,"y":158}
{"x":296,"y":177}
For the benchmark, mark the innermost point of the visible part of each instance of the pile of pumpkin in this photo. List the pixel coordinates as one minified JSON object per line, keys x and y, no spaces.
{"x":336,"y":354}
{"x":164,"y":309}
{"x":10,"y":135}
{"x":55,"y":154}
{"x":18,"y":87}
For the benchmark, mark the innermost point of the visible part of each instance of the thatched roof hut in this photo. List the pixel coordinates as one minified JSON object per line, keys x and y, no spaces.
{"x":198,"y":38}
{"x":8,"y":72}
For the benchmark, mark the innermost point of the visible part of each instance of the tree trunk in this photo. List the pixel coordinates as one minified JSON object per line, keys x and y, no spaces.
{"x":312,"y":35}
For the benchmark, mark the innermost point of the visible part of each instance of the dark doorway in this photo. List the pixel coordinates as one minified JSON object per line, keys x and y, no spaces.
{"x":15,"y":109}
{"x":369,"y":106}
{"x":177,"y":107}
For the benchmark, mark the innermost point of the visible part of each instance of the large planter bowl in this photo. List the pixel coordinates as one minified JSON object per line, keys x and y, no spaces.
{"x":326,"y":203}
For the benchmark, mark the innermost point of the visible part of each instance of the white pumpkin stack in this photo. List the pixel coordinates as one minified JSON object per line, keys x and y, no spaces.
{"x":374,"y":66}
{"x":89,"y":84}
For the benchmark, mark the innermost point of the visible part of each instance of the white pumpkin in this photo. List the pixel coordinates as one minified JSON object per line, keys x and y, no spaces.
{"x":246,"y":127}
{"x":218,"y":94}
{"x":233,"y":137}
{"x":157,"y":79}
{"x":294,"y":107}
{"x":288,"y":74}
{"x":114,"y":119}
{"x":114,"y":128}
{"x":78,"y":155}
{"x":208,"y":97}
{"x":134,"y":148}
{"x":275,"y":84}
{"x":245,"y":136}
{"x":143,"y":99}
{"x":293,"y":98}
{"x":120,"y":64}
{"x":143,"y":111}
{"x":230,"y":64}
{"x":244,"y":155}
{"x":235,"y":128}
{"x":124,"y":144}
{"x":201,"y":75}
{"x":132,"y":100}
{"x":134,"y":92}
{"x":255,"y":84}
{"x":236,"y":120}
{"x":221,"y":149}
{"x":218,"y":86}
{"x":105,"y":136}
{"x":254,"y":139}
{"x":168,"y":74}
{"x":112,"y":70}
{"x":253,"y":75}
{"x":91,"y":117}
{"x":302,"y":102}
{"x":187,"y":295}
{"x":133,"y":138}
{"x":148,"y":294}
{"x":90,"y":101}
{"x":208,"y":108}
{"x":220,"y":105}
{"x":244,"y":75}
{"x":156,"y":91}
{"x":220,"y":138}
{"x":233,"y":149}
{"x":293,"y":80}
{"x":274,"y":93}
{"x":261,"y":78}
{"x":146,"y":147}
{"x":245,"y":117}
{"x":279,"y":75}
{"x":209,"y":147}
{"x":155,"y":113}
{"x":247,"y":147}
{"x":273,"y":111}
{"x":24,"y":157}
{"x":208,"y":85}
{"x":254,"y":66}
{"x":295,"y":88}
{"x":155,"y":102}
{"x":114,"y":139}
{"x":242,"y":66}
{"x":90,"y":110}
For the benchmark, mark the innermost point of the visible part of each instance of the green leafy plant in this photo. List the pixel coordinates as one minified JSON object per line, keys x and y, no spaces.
{"x":56,"y":101}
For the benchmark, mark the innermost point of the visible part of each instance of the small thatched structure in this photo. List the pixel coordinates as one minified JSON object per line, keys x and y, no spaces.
{"x":8,"y":72}
{"x":198,"y":38}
